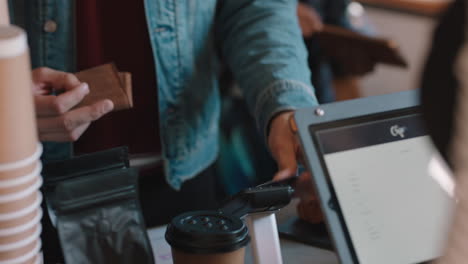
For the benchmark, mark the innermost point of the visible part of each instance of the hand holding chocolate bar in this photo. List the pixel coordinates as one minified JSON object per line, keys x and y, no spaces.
{"x":56,"y":95}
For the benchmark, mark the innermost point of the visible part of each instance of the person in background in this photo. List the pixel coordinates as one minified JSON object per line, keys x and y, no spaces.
{"x":445,"y":100}
{"x":335,"y":74}
{"x":312,"y":15}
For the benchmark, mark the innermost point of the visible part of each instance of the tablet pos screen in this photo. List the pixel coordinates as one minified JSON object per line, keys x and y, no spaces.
{"x":392,"y":209}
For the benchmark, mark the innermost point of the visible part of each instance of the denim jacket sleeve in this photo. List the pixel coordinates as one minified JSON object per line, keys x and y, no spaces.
{"x":262,"y":44}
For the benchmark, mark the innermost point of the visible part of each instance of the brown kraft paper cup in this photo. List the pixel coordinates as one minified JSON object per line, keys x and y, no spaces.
{"x":4,"y":14}
{"x":20,"y":187}
{"x":235,"y":257}
{"x":4,"y":240}
{"x":13,"y":174}
{"x":20,"y":204}
{"x":207,"y":237}
{"x":33,"y":260}
{"x":18,"y":131}
{"x":20,"y":220}
{"x":18,"y":252}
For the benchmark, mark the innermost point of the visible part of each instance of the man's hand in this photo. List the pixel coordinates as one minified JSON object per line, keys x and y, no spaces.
{"x":56,"y":118}
{"x":284,"y":147}
{"x":309,"y":21}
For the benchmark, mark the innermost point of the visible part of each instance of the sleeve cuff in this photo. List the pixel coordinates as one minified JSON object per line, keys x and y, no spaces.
{"x":281,"y":96}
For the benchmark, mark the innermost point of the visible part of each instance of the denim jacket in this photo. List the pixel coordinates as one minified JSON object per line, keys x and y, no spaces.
{"x":259,"y":40}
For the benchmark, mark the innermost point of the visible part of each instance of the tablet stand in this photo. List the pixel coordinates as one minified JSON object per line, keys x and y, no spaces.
{"x":258,"y":206}
{"x":265,"y":239}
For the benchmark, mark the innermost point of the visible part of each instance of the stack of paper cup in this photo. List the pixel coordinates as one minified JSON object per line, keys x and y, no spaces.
{"x":4,"y":15}
{"x":20,"y":168}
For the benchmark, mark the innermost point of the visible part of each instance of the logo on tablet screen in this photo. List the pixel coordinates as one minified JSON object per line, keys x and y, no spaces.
{"x":398,"y":131}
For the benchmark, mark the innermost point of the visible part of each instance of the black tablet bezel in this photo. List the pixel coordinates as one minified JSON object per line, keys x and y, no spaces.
{"x":353,"y":112}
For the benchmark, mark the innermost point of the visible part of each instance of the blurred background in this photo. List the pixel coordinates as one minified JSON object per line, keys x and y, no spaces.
{"x":410,"y":24}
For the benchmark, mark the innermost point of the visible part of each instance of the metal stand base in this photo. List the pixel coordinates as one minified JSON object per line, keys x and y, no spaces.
{"x":265,"y":240}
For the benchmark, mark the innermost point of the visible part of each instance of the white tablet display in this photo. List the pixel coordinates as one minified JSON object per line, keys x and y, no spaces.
{"x":393,"y":209}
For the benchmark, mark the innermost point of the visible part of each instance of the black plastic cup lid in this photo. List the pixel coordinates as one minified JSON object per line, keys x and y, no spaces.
{"x":207,"y":232}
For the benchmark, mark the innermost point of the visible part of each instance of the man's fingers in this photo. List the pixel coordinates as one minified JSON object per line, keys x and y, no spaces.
{"x":58,"y":80}
{"x":282,"y":145}
{"x":70,"y":126}
{"x":284,"y":174}
{"x":64,"y":137}
{"x":304,"y":187}
{"x":69,"y":99}
{"x":287,"y":164}
{"x":51,"y":105}
{"x":69,"y":122}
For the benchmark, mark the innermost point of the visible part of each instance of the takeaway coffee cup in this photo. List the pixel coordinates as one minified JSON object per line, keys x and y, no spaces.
{"x":208,"y":237}
{"x":10,"y":177}
{"x":24,"y":201}
{"x":15,"y":214}
{"x":4,"y":16}
{"x":16,"y":221}
{"x":22,"y":253}
{"x":18,"y":132}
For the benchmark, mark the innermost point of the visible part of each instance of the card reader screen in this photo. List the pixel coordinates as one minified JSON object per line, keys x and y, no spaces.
{"x":394,"y":209}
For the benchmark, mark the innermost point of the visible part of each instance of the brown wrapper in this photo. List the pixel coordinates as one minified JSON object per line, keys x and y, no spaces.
{"x":105,"y":82}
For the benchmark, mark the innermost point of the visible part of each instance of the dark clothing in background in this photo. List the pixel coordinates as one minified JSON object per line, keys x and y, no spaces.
{"x":439,"y":84}
{"x":334,"y":13}
{"x":331,"y":12}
